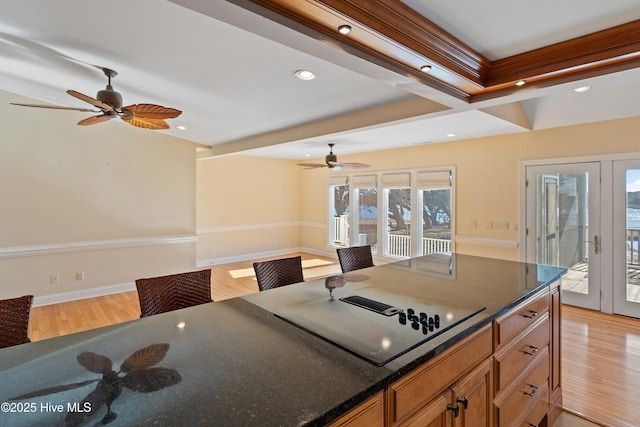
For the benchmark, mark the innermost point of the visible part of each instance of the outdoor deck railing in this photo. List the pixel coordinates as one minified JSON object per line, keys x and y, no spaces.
{"x":633,"y":239}
{"x":398,"y":245}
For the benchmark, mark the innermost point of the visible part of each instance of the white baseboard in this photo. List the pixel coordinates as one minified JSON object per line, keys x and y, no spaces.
{"x":484,"y":241}
{"x":82,"y":294}
{"x":245,"y":257}
{"x":126,"y":287}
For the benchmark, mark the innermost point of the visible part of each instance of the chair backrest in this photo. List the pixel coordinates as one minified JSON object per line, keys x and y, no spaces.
{"x":173,"y":292}
{"x":14,"y":320}
{"x":355,"y":258}
{"x":278,"y":272}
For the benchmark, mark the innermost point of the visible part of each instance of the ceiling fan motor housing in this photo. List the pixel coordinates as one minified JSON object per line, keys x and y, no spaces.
{"x":331,"y":158}
{"x":111,"y":97}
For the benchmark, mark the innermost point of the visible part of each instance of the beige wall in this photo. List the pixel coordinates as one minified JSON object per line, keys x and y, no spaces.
{"x":108,"y":200}
{"x":488,"y":186}
{"x":247,"y":207}
{"x":118,"y":203}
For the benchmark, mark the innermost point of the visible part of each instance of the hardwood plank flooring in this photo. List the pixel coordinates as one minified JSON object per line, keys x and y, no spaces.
{"x":227,"y":281}
{"x":601,"y":366}
{"x":601,"y":353}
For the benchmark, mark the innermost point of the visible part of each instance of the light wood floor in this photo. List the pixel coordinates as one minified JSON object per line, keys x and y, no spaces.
{"x":600,"y":363}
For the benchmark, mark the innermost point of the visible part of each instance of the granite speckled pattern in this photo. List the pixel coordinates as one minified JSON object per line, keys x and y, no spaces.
{"x":239,"y":364}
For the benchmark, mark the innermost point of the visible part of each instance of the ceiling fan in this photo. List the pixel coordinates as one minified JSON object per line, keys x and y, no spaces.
{"x":331,"y":162}
{"x":109,"y":104}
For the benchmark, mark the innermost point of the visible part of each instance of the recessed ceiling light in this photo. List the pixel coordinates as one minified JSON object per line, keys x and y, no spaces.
{"x":344,"y":29}
{"x":582,"y":89}
{"x":451,"y":135}
{"x":425,"y":68}
{"x":304,"y":75}
{"x":181,"y":127}
{"x":520,"y":83}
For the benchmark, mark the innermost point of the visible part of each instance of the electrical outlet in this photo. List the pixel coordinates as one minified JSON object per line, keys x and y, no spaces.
{"x":55,"y":279}
{"x":502,"y":225}
{"x":80,"y":275}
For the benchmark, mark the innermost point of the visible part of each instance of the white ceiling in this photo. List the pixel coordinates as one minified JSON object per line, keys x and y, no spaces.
{"x":231,"y":72}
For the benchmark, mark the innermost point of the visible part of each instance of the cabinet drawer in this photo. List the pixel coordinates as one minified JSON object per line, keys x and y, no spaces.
{"x":535,"y":416}
{"x":526,"y":394}
{"x":407,"y":395}
{"x":524,"y":350}
{"x":509,"y":325}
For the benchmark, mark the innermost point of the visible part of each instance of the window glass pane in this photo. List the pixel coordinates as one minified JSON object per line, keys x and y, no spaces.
{"x":339,"y":228}
{"x":436,"y":221}
{"x":399,"y":222}
{"x":633,"y":235}
{"x":368,"y":218}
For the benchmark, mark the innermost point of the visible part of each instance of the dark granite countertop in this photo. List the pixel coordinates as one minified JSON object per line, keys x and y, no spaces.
{"x":234,"y":362}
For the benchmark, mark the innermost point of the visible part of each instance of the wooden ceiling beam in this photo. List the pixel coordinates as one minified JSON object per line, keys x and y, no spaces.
{"x":399,"y":37}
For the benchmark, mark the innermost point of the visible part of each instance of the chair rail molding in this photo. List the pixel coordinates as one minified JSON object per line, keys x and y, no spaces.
{"x":57,"y":248}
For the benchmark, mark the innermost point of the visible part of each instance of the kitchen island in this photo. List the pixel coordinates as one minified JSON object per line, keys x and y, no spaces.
{"x":235,"y":362}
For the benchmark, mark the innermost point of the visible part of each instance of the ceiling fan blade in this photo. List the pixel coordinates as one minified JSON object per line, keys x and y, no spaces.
{"x":95,"y":120}
{"x":152,"y":111}
{"x":56,"y":107}
{"x":86,"y":98}
{"x":354,"y":165}
{"x":153,"y":124}
{"x":312,"y":165}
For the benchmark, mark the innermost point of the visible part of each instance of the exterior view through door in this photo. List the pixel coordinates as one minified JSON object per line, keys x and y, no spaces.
{"x":563,"y":226}
{"x":626,"y":235}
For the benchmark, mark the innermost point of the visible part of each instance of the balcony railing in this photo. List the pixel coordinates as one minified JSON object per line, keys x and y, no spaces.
{"x":398,"y":245}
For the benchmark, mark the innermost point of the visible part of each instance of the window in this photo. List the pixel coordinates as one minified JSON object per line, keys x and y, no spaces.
{"x":401,"y":214}
{"x":367,"y":208}
{"x":339,"y":207}
{"x":434,"y":199}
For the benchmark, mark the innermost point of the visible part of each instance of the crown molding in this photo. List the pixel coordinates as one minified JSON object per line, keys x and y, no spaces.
{"x":395,"y":36}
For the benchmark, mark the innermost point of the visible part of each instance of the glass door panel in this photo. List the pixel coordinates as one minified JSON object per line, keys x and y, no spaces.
{"x":563,"y":226}
{"x":626,"y":237}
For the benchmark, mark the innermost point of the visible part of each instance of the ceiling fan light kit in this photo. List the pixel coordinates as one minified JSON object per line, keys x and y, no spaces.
{"x":109,"y":104}
{"x":331,"y":162}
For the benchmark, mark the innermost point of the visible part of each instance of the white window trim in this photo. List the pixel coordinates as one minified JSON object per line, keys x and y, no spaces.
{"x":382,"y":202}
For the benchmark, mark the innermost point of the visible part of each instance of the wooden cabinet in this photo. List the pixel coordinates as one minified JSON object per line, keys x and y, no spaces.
{"x":367,"y":414}
{"x":420,"y":396}
{"x":472,"y":396}
{"x":506,"y":374}
{"x":526,"y":360}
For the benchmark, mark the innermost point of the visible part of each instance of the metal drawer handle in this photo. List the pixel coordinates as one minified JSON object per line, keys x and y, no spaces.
{"x":463,"y":400}
{"x":533,"y":391}
{"x":455,"y":409}
{"x":532,"y":315}
{"x":533,"y":351}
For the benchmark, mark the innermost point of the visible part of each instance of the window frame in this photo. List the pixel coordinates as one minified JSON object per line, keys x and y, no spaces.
{"x":384,"y":181}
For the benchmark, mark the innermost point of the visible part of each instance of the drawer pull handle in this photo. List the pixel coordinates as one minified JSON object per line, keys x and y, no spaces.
{"x":531,"y":315}
{"x":455,"y":409}
{"x":463,"y":400}
{"x":533,"y":351}
{"x":533,"y":391}
{"x":533,"y":425}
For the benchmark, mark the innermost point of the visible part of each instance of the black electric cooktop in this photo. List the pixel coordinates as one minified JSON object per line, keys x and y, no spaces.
{"x":375,"y":325}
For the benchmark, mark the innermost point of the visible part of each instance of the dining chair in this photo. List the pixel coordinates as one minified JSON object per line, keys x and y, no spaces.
{"x":173,"y":292}
{"x":278,"y":272}
{"x":355,"y":258}
{"x":14,"y":320}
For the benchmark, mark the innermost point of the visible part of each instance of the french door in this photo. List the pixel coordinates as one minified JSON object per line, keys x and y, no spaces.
{"x":626,"y":237}
{"x":563,"y":226}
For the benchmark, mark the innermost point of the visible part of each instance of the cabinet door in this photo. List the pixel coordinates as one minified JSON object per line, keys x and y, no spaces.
{"x":367,"y":414}
{"x":436,"y":413}
{"x":473,"y":396}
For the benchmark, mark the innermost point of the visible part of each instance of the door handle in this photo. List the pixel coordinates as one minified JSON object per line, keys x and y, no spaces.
{"x":596,"y":244}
